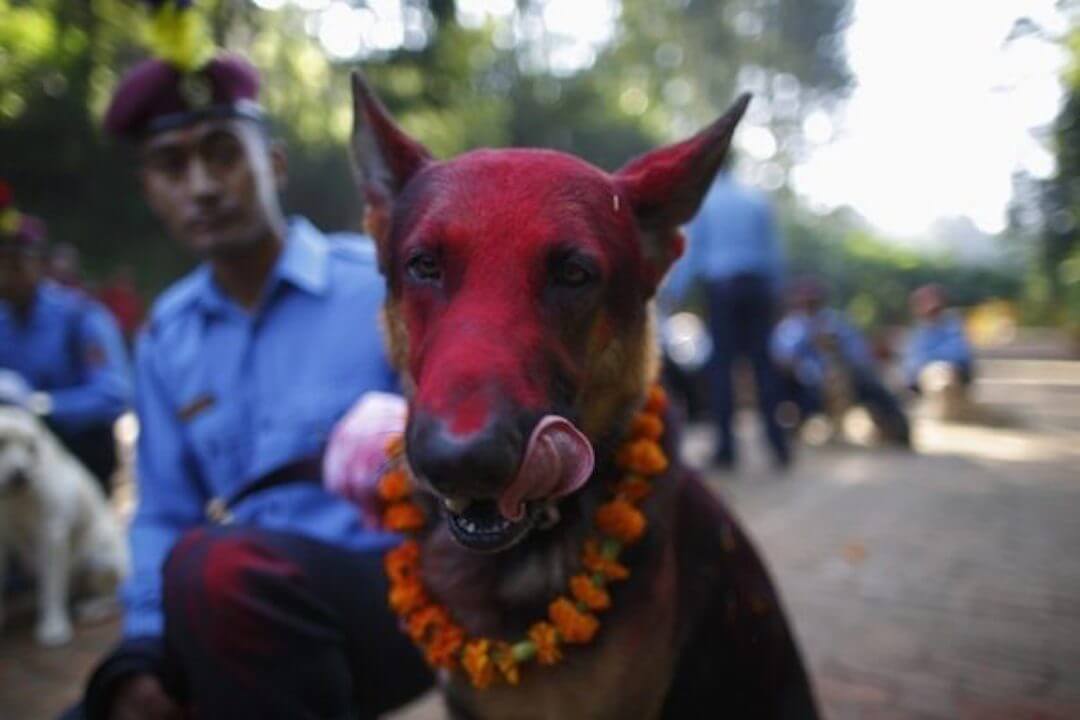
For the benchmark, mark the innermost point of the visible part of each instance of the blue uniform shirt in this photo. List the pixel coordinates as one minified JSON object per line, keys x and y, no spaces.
{"x":794,"y":345}
{"x":733,"y":233}
{"x":943,"y":340}
{"x":69,"y":347}
{"x":225,"y":396}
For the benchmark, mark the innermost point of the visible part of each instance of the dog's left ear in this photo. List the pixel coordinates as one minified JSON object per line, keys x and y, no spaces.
{"x":385,"y":159}
{"x":666,"y":186}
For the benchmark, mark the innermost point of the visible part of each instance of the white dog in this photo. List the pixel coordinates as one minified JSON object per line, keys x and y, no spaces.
{"x":56,"y":520}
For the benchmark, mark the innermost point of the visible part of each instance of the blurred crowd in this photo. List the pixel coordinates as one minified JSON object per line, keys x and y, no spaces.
{"x":810,"y":364}
{"x":117,"y":292}
{"x":62,"y":344}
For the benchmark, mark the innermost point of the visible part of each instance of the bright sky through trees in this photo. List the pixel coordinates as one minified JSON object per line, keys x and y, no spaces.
{"x":945,"y":109}
{"x":943,"y":112}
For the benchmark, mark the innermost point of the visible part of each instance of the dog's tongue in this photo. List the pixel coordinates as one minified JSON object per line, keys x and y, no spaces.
{"x":558,"y":461}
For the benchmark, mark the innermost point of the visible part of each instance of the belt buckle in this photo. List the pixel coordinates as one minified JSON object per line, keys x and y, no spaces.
{"x":217,"y":511}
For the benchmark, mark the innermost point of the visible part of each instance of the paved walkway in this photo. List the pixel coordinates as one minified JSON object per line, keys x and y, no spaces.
{"x":937,"y":584}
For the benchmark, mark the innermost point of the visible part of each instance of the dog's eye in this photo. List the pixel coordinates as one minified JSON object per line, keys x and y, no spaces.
{"x":424,"y":267}
{"x":572,"y":273}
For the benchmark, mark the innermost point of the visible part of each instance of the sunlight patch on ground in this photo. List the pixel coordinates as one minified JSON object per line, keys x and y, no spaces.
{"x":1001,"y":444}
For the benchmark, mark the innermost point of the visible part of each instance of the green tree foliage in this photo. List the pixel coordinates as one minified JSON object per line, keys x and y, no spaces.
{"x":872,"y":278}
{"x":1062,"y":228}
{"x":669,"y":67}
{"x":1046,"y":213}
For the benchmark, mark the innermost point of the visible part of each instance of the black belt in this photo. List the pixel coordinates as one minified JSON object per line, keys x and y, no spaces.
{"x":307,"y":469}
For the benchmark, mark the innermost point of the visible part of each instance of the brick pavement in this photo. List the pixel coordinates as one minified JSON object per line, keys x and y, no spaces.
{"x":944,"y":584}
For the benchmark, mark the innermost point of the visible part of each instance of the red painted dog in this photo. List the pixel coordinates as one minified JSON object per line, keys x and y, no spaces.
{"x":520,"y":284}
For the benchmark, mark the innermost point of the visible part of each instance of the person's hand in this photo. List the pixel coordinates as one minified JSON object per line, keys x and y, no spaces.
{"x":356,"y":454}
{"x":141,"y":697}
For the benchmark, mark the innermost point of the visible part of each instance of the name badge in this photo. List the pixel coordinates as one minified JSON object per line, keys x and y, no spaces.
{"x":196,"y":407}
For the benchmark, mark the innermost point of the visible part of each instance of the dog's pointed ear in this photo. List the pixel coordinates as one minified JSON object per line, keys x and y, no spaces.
{"x":384,"y":158}
{"x":666,"y":186}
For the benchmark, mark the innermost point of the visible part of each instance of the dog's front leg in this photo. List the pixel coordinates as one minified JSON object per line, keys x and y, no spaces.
{"x":54,"y":624}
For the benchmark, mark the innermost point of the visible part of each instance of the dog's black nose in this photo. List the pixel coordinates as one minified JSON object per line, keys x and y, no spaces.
{"x":477,"y":465}
{"x":18,"y":479}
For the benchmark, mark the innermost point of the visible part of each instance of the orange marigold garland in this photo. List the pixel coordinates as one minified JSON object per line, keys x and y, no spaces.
{"x":643,"y":456}
{"x":407,"y":596}
{"x":545,"y":639}
{"x":394,"y":486}
{"x":478,"y":663}
{"x":446,"y":643}
{"x":656,"y":401}
{"x":587,"y":592}
{"x":597,"y":561}
{"x":404,"y":517}
{"x":646,"y":425}
{"x":574,"y":626}
{"x":507,"y":663}
{"x":403,"y":562}
{"x":633,"y":489}
{"x":619,"y":522}
{"x":427,"y":622}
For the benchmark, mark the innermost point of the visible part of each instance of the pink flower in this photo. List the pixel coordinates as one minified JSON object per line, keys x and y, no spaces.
{"x":356,"y":453}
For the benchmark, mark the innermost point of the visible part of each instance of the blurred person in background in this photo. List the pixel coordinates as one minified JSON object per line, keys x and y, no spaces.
{"x":255,"y":593}
{"x":120,"y":296}
{"x":937,"y":360}
{"x":62,"y":354}
{"x":65,"y":266}
{"x":828,"y":366}
{"x":735,"y":250}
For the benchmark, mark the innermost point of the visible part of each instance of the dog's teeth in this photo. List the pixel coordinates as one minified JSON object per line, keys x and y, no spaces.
{"x":456,"y":505}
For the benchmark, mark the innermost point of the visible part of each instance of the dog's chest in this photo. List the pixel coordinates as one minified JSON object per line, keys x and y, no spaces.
{"x":624,"y":673}
{"x":22,"y":516}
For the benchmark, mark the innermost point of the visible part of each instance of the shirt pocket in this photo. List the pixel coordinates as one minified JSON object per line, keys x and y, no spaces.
{"x":221,"y":442}
{"x":321,"y":410}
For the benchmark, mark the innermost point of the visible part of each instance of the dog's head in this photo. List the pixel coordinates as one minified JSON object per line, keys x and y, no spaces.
{"x":518,"y":306}
{"x":18,"y":449}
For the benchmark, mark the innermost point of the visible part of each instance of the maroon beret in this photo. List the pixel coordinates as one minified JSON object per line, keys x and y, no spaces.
{"x":156,"y":96}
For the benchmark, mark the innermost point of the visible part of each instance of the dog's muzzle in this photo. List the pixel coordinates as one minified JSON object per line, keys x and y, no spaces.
{"x":16,"y":480}
{"x":494,"y":487}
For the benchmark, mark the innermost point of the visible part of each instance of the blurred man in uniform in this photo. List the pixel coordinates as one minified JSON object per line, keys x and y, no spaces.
{"x":255,"y":593}
{"x":65,"y":267}
{"x":937,"y":360}
{"x":828,"y":366}
{"x":735,"y":249}
{"x":61,"y":352}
